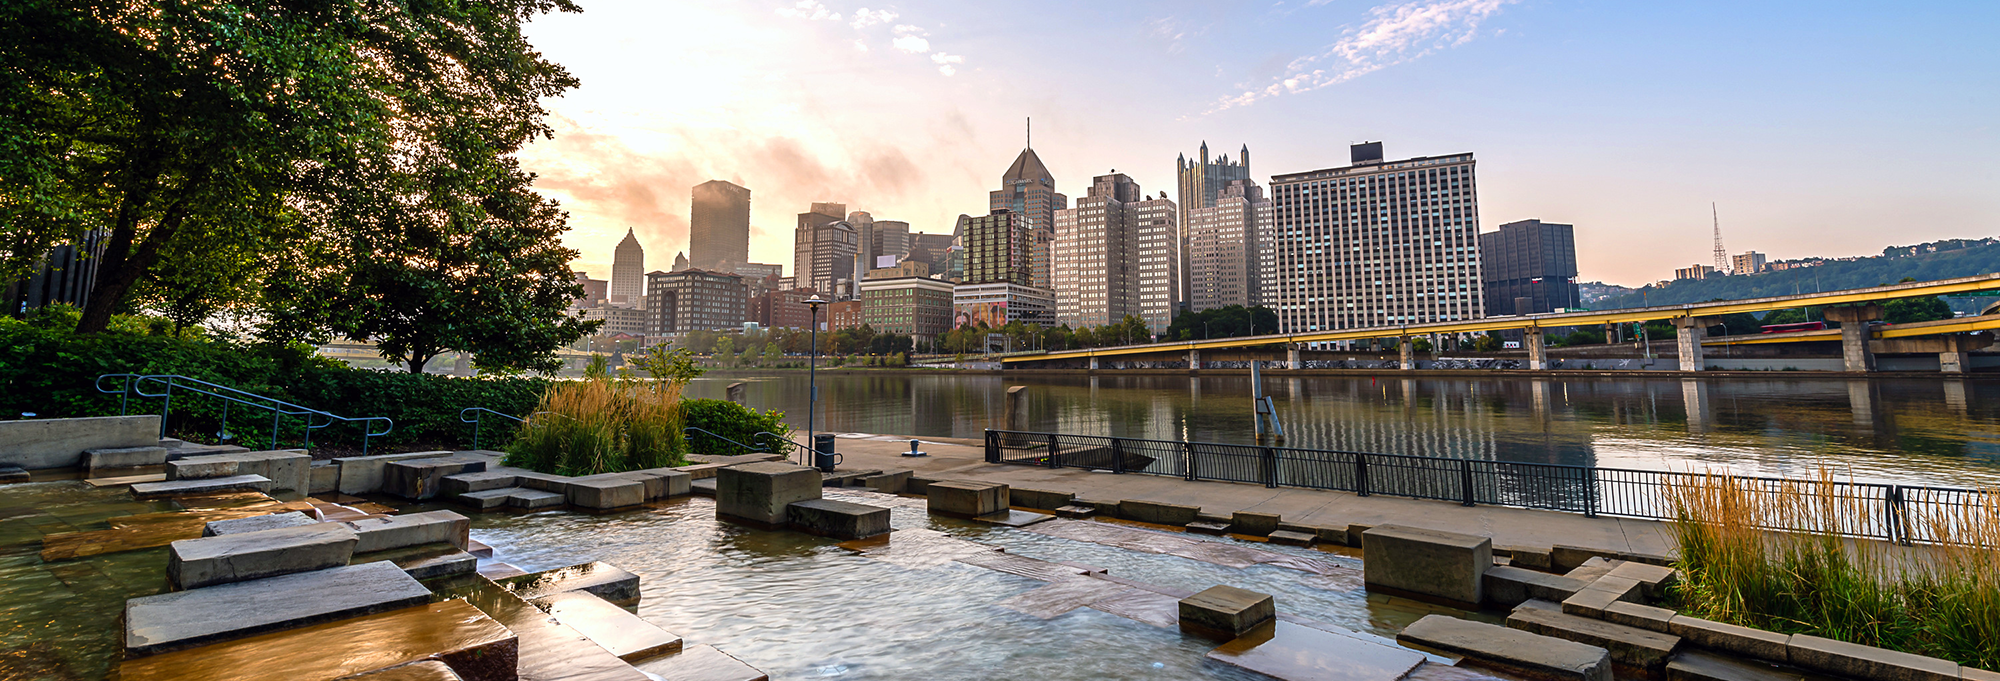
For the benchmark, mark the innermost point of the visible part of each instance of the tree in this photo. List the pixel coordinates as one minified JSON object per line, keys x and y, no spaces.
{"x":725,"y":350}
{"x":676,"y":366}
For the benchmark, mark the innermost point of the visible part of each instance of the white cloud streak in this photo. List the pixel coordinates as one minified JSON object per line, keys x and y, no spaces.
{"x":809,"y":9}
{"x":946,"y":62}
{"x":1394,"y":34}
{"x":912,"y":44}
{"x":865,"y":17}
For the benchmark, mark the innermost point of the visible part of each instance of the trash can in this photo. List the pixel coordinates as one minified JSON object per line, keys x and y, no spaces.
{"x":824,"y":457}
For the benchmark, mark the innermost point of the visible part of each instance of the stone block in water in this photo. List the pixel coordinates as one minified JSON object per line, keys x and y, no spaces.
{"x":290,"y":470}
{"x":1638,"y":648}
{"x":1158,"y":513}
{"x":59,"y":443}
{"x":425,"y":561}
{"x":453,"y":634}
{"x":424,"y":478}
{"x":1285,"y":650}
{"x":759,"y":492}
{"x":1046,"y":500}
{"x":839,"y":519}
{"x":1423,"y":563}
{"x":195,"y":563}
{"x":1520,"y":652}
{"x":1224,"y":612}
{"x":217,"y":528}
{"x":462,"y":483}
{"x":488,"y":500}
{"x":601,"y":579}
{"x":1758,"y":643}
{"x":604,"y":492}
{"x":123,"y":457}
{"x":1253,"y":524}
{"x":363,"y":474}
{"x":701,"y":663}
{"x":411,"y":529}
{"x":622,"y":633}
{"x":1508,"y":586}
{"x":533,"y":499}
{"x":967,"y":498}
{"x":182,"y":619}
{"x":323,"y":478}
{"x":175,"y":488}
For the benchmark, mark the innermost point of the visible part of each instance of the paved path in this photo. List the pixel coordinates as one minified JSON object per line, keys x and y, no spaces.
{"x":957,"y":458}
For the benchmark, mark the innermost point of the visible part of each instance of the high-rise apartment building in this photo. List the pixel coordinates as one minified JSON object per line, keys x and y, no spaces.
{"x":628,"y":272}
{"x":823,"y":248}
{"x":696,"y":300}
{"x":1028,"y":191}
{"x":1227,"y":243}
{"x":1376,"y":243}
{"x":719,"y":226}
{"x":1750,"y":262}
{"x":1117,"y":253}
{"x":996,"y":249}
{"x":1529,"y":267}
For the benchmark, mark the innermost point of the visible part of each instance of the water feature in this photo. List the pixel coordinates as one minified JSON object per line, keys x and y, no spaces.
{"x":1912,"y":431}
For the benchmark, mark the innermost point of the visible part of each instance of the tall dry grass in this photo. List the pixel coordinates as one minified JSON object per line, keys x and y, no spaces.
{"x":602,"y":425}
{"x":1777,"y":555}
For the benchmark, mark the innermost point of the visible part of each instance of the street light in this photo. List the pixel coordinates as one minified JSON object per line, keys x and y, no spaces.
{"x":812,"y":374}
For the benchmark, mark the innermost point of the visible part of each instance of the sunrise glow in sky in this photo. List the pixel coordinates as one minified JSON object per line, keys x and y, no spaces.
{"x":1818,"y":128}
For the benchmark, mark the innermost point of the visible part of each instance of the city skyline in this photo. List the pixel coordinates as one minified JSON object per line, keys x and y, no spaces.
{"x":1833,"y":121}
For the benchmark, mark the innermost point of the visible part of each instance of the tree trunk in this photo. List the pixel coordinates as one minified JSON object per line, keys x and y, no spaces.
{"x":123,"y":265}
{"x":417,"y":362}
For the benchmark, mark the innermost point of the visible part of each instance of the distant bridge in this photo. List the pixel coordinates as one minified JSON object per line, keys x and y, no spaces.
{"x":1690,"y":320}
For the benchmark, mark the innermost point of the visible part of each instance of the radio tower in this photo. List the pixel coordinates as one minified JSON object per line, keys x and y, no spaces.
{"x":1721,"y":254}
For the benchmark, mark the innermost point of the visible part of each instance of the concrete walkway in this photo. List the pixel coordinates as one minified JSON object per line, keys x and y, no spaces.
{"x":952,"y":458}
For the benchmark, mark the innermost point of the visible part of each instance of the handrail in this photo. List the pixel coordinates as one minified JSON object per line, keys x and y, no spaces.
{"x":475,"y":420}
{"x":724,"y":439}
{"x":134,"y":384}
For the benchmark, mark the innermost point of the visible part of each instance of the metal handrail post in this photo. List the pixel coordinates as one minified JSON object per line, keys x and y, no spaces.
{"x":1053,"y":449}
{"x":1465,"y":476}
{"x":1117,"y":455}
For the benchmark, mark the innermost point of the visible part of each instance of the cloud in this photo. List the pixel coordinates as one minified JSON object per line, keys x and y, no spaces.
{"x":865,"y":17}
{"x":860,"y":45}
{"x":809,"y":9}
{"x":1393,"y":34}
{"x":1173,"y":31}
{"x":912,"y":44}
{"x":945,"y":62}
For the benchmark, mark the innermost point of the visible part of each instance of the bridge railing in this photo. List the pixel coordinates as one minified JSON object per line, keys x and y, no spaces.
{"x":1897,"y":513}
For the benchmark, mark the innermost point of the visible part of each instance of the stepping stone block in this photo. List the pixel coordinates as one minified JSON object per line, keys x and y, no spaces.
{"x":1427,"y":564}
{"x":429,"y":561}
{"x":622,"y":633}
{"x":1284,"y":650}
{"x":702,"y":663}
{"x":1157,"y":513}
{"x":759,"y":493}
{"x":412,"y":529}
{"x":217,"y":528}
{"x":1857,"y":661}
{"x":1508,"y":586}
{"x":702,"y":486}
{"x":1642,"y":616}
{"x":420,"y":479}
{"x":428,"y":670}
{"x":1637,"y":648}
{"x":1510,"y":650}
{"x":177,"y":488}
{"x":601,"y":579}
{"x":1037,"y":498}
{"x":462,"y":483}
{"x":1076,"y":512}
{"x":888,"y":482}
{"x":1224,"y":612}
{"x":1654,"y":580}
{"x":839,"y":519}
{"x":532,"y":499}
{"x":661,"y":483}
{"x":181,"y":619}
{"x":487,"y":500}
{"x":1694,"y":665}
{"x":452,"y":634}
{"x":1564,"y":558}
{"x":605,"y":492}
{"x":123,"y":457}
{"x":363,"y":474}
{"x":13,"y":474}
{"x":290,"y":470}
{"x":1253,"y":524}
{"x":547,"y":482}
{"x":1290,"y":538}
{"x":966,"y":498}
{"x":323,"y":478}
{"x":1208,"y":527}
{"x":1357,"y":534}
{"x":195,"y":563}
{"x":1757,"y":643}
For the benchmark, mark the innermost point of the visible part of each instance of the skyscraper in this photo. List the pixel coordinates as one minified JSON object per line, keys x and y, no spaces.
{"x":1201,"y":183}
{"x":1117,"y":253}
{"x":823,"y":248}
{"x":1530,"y":262}
{"x":1029,"y":192}
{"x":892,"y":237}
{"x":719,"y":226}
{"x":1376,"y":243}
{"x":628,"y":272}
{"x":1226,"y":243}
{"x":994,"y":248}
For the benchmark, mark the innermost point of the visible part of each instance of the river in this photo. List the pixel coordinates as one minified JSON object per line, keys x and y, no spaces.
{"x":1907,"y":431}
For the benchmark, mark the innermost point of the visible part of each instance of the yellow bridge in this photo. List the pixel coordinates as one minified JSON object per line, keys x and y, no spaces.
{"x":1860,"y":306}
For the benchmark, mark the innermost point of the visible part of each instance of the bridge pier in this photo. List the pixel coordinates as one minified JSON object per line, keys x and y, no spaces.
{"x":1093,"y":363}
{"x":1293,"y":358}
{"x":1538,"y":352}
{"x":1957,"y":355}
{"x":1687,"y":337}
{"x":1855,"y":333}
{"x":1405,"y":354}
{"x":1194,"y":360}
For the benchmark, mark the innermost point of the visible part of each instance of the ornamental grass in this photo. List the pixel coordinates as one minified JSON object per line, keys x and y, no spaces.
{"x":602,"y":425}
{"x":1940,"y":598}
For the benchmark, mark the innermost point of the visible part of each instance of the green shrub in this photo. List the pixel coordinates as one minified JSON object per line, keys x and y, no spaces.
{"x":601,"y":426}
{"x":733,"y":421}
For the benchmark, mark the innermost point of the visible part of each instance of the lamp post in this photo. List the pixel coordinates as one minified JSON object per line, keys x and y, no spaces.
{"x":812,"y":375}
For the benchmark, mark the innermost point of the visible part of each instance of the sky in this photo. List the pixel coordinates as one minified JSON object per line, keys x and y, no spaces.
{"x":1814,"y":128}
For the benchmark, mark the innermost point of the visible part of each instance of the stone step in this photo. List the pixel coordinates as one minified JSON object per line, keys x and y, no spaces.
{"x":1508,"y":586}
{"x":290,"y":470}
{"x":455,"y":485}
{"x":176,"y":488}
{"x":1510,"y":650}
{"x":1296,"y":652}
{"x":1076,"y":512}
{"x":454,"y":633}
{"x":532,"y":499}
{"x":702,"y":486}
{"x":488,"y":499}
{"x":622,"y":633}
{"x":14,"y":474}
{"x":412,"y":529}
{"x":702,"y":663}
{"x":1208,"y":527}
{"x":1290,"y":538}
{"x":549,"y":649}
{"x":187,"y":450}
{"x":363,"y":474}
{"x":208,"y":561}
{"x":601,"y":579}
{"x":182,"y":619}
{"x":123,"y":457}
{"x":1695,"y":665}
{"x":1631,"y":646}
{"x":273,"y":521}
{"x":837,"y":519}
{"x":427,"y":561}
{"x":419,"y":479}
{"x":427,"y":670}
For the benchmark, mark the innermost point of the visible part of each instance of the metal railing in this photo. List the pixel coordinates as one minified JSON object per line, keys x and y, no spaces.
{"x":480,"y":412}
{"x":1906,"y":514}
{"x":777,"y":439}
{"x":131,"y":385}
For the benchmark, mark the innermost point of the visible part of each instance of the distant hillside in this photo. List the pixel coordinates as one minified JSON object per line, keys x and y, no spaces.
{"x":1831,"y":275}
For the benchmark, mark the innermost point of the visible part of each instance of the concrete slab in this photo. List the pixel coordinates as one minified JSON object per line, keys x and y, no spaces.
{"x":217,"y":528}
{"x":1653,"y":580}
{"x":702,"y":486}
{"x":601,"y":579}
{"x":208,"y":561}
{"x":1046,"y":500}
{"x":60,"y":443}
{"x":182,"y":619}
{"x":1510,"y":650}
{"x":1642,"y":616}
{"x":838,"y":519}
{"x":1757,"y":643}
{"x":1508,"y":586}
{"x":967,"y":498}
{"x":702,"y":663}
{"x":1427,"y":564}
{"x":487,"y":500}
{"x":1530,"y":557}
{"x":1290,"y":538}
{"x":1014,"y":518}
{"x":619,"y":632}
{"x":551,"y":650}
{"x":428,"y":561}
{"x":1253,"y":524}
{"x":1208,"y":527}
{"x":428,"y":670}
{"x":1630,"y":646}
{"x":1695,"y":665}
{"x":14,"y":474}
{"x":176,"y":488}
{"x":888,"y":482}
{"x":420,"y":479}
{"x":1224,"y":612}
{"x":532,"y":499}
{"x":1857,"y":661}
{"x":1295,"y":652}
{"x":605,"y":493}
{"x":453,"y":633}
{"x":411,"y":529}
{"x":454,"y":485}
{"x":1156,"y":512}
{"x":290,"y":470}
{"x":323,"y":478}
{"x":363,"y":474}
{"x":759,"y":493}
{"x":123,"y":457}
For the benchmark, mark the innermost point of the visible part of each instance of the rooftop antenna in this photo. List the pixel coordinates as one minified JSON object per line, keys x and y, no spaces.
{"x":1721,"y":254}
{"x":1031,"y":132}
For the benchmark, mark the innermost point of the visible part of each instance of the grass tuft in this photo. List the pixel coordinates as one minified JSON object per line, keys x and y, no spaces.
{"x":602,"y":425}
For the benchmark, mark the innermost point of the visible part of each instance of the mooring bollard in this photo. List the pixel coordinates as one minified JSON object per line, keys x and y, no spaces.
{"x":913,"y":450}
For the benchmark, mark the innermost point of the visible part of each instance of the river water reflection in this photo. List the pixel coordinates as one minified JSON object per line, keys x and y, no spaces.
{"x":1911,"y":431}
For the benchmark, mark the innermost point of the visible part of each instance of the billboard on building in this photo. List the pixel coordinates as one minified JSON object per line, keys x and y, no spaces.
{"x":992,"y":313}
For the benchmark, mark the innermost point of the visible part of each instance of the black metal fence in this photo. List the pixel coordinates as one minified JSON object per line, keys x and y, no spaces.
{"x":1899,"y":513}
